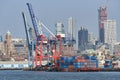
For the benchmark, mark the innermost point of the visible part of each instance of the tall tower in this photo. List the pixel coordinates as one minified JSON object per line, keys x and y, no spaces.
{"x":82,"y":38}
{"x":71,"y":28}
{"x":8,"y":43}
{"x":102,"y":15}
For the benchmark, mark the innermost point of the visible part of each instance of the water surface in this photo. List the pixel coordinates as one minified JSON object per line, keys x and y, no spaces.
{"x":37,"y":75}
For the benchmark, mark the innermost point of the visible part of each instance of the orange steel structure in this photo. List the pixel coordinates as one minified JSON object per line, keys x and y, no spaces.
{"x":39,"y":50}
{"x":58,"y":53}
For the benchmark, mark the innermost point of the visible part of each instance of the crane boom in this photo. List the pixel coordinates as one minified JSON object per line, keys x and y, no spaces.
{"x":33,"y":18}
{"x":27,"y":36}
{"x":26,"y":28}
{"x":47,"y":29}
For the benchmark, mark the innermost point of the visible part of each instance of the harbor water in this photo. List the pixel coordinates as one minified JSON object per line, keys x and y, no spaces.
{"x":37,"y":75}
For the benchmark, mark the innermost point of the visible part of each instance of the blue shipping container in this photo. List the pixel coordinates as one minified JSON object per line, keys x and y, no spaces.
{"x":64,"y":65}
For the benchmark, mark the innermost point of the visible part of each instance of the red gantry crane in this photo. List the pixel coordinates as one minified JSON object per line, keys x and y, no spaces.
{"x":42,"y":41}
{"x":39,"y":38}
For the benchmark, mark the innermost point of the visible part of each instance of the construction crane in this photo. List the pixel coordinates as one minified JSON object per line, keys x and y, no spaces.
{"x":30,"y":48}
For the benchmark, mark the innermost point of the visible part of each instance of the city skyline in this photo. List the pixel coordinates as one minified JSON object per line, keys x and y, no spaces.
{"x":49,"y":12}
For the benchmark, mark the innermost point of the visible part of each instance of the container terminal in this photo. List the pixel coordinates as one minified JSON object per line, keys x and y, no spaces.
{"x":55,"y":52}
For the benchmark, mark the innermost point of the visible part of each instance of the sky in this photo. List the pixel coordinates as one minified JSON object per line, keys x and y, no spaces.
{"x":85,"y":12}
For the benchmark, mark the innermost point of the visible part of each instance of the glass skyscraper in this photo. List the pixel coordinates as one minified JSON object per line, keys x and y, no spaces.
{"x":82,"y":38}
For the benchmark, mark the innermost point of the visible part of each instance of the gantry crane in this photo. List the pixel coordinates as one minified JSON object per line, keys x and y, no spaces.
{"x":41,"y":40}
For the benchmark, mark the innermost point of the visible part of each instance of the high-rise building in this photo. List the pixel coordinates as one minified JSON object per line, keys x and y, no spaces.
{"x":109,"y":31}
{"x":72,"y":28}
{"x":8,"y":44}
{"x":82,"y":38}
{"x":19,"y":46}
{"x":102,"y":15}
{"x":72,"y":32}
{"x":60,"y":29}
{"x":90,"y":37}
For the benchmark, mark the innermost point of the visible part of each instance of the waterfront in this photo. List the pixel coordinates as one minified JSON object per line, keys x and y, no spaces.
{"x":36,"y":75}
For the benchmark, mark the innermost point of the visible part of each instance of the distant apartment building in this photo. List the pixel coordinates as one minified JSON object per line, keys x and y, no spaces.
{"x":82,"y":38}
{"x":60,"y":29}
{"x":72,"y":28}
{"x":12,"y":46}
{"x":109,"y":31}
{"x":91,"y":41}
{"x":1,"y":48}
{"x":91,"y":38}
{"x":19,"y":46}
{"x":8,"y":47}
{"x":72,"y":32}
{"x":117,"y":47}
{"x":102,"y":15}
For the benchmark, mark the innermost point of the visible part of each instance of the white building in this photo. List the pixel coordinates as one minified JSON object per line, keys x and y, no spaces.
{"x":60,"y":29}
{"x":71,"y":28}
{"x":91,"y":38}
{"x":109,"y":31}
{"x":72,"y":33}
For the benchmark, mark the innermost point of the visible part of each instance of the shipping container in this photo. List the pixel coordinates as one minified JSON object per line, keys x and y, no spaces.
{"x":86,"y":57}
{"x":93,"y":58}
{"x":64,"y":65}
{"x":80,"y":64}
{"x":77,"y":62}
{"x":108,"y":64}
{"x":93,"y":63}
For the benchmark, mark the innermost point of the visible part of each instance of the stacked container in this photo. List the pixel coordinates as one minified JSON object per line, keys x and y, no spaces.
{"x":93,"y":62}
{"x":77,"y":62}
{"x":65,"y":61}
